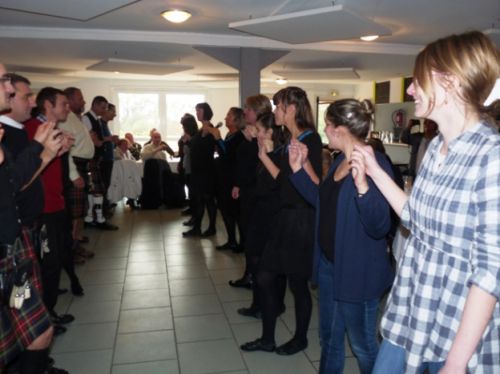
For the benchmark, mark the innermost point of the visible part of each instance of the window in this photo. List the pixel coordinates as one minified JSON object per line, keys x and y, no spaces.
{"x":139,"y":112}
{"x":177,"y":105}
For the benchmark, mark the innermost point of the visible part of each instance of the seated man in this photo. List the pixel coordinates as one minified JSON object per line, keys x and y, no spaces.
{"x":156,"y":149}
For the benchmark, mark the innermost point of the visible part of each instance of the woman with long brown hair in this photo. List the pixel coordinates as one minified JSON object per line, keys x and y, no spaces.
{"x":287,"y":255}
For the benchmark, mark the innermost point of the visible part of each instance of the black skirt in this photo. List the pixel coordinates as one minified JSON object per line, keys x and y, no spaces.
{"x":261,"y":225}
{"x":289,"y":249}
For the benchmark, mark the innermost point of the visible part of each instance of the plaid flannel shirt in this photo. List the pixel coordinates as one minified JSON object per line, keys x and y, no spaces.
{"x":454,"y":217}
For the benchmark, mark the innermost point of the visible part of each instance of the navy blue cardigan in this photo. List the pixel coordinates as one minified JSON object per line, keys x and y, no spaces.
{"x":362,"y":270}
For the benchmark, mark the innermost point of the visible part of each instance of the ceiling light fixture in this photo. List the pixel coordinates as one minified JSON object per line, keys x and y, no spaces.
{"x":176,"y":15}
{"x":369,"y":38}
{"x":281,"y":81}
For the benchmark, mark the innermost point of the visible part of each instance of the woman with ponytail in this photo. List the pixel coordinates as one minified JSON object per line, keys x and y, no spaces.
{"x":351,"y":264}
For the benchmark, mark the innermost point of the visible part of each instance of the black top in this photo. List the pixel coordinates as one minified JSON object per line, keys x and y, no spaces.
{"x":289,"y":196}
{"x":246,"y":164}
{"x":202,"y":153}
{"x":266,"y":186}
{"x":226,"y":162}
{"x":31,"y":200}
{"x":13,"y":175}
{"x":97,"y":129}
{"x":328,"y":199}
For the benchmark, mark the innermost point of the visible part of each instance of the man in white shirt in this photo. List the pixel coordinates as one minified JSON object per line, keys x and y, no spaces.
{"x":80,"y":155}
{"x":156,"y":149}
{"x":92,"y":121}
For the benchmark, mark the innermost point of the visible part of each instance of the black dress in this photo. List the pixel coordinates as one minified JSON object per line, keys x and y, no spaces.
{"x":266,"y":206}
{"x":290,"y":246}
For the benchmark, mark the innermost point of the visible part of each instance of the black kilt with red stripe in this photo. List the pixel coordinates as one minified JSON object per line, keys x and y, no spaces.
{"x":19,"y":328}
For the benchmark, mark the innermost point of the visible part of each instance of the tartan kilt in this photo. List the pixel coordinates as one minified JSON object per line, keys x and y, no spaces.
{"x":77,"y":202}
{"x":76,"y":198}
{"x":97,"y":182}
{"x":19,"y":328}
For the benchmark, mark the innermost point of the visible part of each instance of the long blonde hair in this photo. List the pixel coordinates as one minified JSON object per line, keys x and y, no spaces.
{"x":470,"y":57}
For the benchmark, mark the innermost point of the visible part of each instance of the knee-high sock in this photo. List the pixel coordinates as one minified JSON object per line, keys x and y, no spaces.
{"x":98,"y":200}
{"x":90,"y":212}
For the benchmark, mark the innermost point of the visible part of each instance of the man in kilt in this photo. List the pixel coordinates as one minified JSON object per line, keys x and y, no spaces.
{"x":92,"y":120}
{"x":25,"y":326}
{"x":80,"y":155}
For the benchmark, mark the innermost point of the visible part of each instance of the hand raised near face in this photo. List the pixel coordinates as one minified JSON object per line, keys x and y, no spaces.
{"x":297,"y":154}
{"x":67,"y":141}
{"x":53,"y":143}
{"x":43,"y":131}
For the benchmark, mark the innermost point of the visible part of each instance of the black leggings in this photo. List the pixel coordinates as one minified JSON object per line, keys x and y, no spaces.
{"x":271,"y":289}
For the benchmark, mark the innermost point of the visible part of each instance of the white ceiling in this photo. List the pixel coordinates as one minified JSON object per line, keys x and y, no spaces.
{"x":35,"y":43}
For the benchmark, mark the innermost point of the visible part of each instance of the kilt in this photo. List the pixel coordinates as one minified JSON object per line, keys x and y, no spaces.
{"x":77,"y":202}
{"x":97,"y":183}
{"x":19,"y":328}
{"x":76,"y":198}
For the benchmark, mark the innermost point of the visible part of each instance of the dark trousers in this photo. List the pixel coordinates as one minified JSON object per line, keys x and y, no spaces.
{"x":58,"y":238}
{"x":272,"y":286}
{"x":203,"y":199}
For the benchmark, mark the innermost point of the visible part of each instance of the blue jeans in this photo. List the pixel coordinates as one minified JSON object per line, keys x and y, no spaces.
{"x":391,"y":360}
{"x":337,"y":317}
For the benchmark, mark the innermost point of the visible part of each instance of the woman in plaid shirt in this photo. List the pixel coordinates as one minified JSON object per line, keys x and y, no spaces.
{"x":443,"y":312}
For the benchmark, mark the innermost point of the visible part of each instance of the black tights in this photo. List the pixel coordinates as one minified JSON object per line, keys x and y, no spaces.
{"x":272,"y":286}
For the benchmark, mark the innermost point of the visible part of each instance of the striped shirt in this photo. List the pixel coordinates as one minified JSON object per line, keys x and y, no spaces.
{"x":453,"y":214}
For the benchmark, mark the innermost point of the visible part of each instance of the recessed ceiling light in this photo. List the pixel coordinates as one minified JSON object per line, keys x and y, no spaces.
{"x":281,"y":81}
{"x":369,"y":38}
{"x":176,"y":15}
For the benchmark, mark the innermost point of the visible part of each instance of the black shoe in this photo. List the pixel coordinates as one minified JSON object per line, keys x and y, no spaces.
{"x":61,"y":319}
{"x":187,"y":212}
{"x":106,"y":226}
{"x":250,"y":312}
{"x":225,"y":246}
{"x":132,"y":204}
{"x":208,"y":232}
{"x":62,"y":291}
{"x":258,"y":345}
{"x":189,"y":222}
{"x":58,"y":330}
{"x":191,"y":233}
{"x":77,"y":290}
{"x":292,"y":347}
{"x":244,"y":282}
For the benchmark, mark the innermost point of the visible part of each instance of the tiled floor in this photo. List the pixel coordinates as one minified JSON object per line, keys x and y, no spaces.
{"x":158,"y":303}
